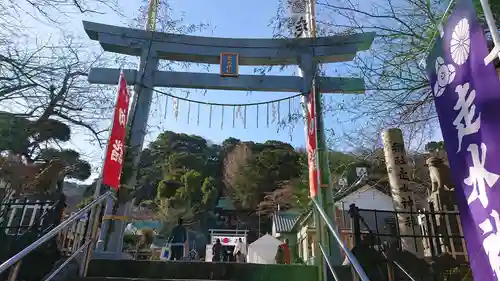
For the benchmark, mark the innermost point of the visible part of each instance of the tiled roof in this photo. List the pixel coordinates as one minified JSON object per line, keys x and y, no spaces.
{"x":226,"y":203}
{"x":304,"y":218}
{"x":285,"y":221}
{"x":147,"y":224}
{"x":382,"y":186}
{"x":419,"y":189}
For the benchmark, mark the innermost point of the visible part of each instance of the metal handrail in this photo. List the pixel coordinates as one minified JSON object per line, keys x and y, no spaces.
{"x":399,"y":266}
{"x":330,"y":266}
{"x":17,"y":257}
{"x":352,"y":259}
{"x":70,"y":258}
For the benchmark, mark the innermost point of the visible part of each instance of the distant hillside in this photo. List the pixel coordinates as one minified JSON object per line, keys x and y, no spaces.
{"x":74,"y":193}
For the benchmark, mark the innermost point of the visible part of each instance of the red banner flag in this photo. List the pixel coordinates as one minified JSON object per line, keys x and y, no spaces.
{"x":114,"y":155}
{"x":311,"y":146}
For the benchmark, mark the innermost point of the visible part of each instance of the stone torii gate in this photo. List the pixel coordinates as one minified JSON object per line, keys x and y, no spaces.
{"x":153,"y":46}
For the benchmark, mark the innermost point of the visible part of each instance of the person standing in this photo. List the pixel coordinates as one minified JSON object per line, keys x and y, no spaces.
{"x":179,"y":238}
{"x":283,"y":256}
{"x":217,"y":251}
{"x":239,"y":251}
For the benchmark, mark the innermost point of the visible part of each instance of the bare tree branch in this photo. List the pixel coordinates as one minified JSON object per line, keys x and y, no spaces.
{"x":51,"y":82}
{"x":398,"y":93}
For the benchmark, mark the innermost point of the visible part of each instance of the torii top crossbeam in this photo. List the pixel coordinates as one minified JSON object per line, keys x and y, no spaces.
{"x":304,"y":52}
{"x":200,"y":49}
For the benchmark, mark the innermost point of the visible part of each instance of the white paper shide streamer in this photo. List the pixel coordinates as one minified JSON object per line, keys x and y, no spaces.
{"x":175,"y":107}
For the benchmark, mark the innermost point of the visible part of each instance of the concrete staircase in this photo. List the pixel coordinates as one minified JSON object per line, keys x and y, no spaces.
{"x":122,"y":270}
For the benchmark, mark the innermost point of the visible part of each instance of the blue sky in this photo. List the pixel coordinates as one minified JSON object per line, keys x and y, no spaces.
{"x":227,"y":19}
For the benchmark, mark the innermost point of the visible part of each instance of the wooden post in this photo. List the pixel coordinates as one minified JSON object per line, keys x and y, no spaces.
{"x":355,"y":225}
{"x":397,"y":169}
{"x":356,"y":232}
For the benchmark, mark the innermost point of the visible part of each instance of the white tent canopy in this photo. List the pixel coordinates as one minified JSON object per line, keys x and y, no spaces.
{"x":263,"y":250}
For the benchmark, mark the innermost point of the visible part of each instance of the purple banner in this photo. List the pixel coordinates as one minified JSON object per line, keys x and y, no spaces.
{"x":467,"y":98}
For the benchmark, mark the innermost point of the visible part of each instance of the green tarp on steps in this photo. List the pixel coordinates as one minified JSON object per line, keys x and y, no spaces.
{"x":200,"y":270}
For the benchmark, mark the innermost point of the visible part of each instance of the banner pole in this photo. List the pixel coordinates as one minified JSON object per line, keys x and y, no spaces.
{"x":324,"y":177}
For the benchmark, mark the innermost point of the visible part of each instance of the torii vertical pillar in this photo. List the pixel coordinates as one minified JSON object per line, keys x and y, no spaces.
{"x":326,"y":187}
{"x":325,"y":194}
{"x":138,"y":122}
